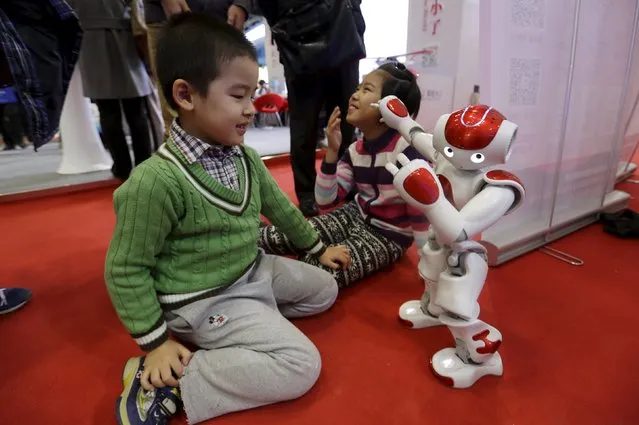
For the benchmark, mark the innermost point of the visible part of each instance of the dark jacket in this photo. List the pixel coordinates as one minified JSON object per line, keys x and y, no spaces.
{"x":274,"y":10}
{"x":154,"y":13}
{"x":315,"y":36}
{"x":109,"y":60}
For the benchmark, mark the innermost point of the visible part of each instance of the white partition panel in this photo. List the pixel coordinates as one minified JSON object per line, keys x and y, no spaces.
{"x":629,"y":128}
{"x":558,"y":69}
{"x":525,"y":53}
{"x":590,"y":152}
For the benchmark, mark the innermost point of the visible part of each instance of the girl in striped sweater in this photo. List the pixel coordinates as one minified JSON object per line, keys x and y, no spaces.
{"x":377,"y":226}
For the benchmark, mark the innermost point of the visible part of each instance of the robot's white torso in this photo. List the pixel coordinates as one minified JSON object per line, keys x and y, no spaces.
{"x":460,"y":186}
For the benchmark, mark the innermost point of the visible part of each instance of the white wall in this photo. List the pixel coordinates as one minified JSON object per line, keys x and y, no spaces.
{"x":386,"y":30}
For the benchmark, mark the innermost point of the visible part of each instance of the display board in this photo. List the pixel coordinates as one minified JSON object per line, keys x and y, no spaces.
{"x":560,"y":70}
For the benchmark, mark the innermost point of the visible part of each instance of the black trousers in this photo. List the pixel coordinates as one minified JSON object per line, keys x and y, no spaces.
{"x":113,"y":134}
{"x":306,"y":96}
{"x":343,"y":226}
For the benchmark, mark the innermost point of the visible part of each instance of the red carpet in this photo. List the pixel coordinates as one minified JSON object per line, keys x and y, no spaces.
{"x":570,"y":335}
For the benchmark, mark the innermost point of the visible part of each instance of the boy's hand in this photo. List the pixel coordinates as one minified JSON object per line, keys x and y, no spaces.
{"x":334,"y":131}
{"x":161,"y":363}
{"x":336,"y":257}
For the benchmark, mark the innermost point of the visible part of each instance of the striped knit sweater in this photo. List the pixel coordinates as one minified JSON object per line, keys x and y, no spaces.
{"x":362,"y":167}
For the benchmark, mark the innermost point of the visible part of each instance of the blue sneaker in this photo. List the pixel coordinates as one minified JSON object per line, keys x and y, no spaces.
{"x":136,"y":406}
{"x":12,"y":299}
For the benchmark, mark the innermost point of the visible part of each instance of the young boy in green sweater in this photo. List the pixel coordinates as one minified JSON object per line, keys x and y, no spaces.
{"x":184,"y":255}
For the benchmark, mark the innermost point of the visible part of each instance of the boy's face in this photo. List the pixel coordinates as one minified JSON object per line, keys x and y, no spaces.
{"x":360,"y":112}
{"x":224,"y":114}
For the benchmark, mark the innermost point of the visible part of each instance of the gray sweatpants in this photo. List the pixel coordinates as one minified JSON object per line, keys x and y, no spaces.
{"x":250,"y":354}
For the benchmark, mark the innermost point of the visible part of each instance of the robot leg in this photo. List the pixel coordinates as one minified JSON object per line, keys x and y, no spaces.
{"x":424,"y":313}
{"x":476,"y":343}
{"x":461,"y":283}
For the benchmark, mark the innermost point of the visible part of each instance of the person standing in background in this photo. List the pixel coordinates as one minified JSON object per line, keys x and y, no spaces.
{"x":114,"y":77}
{"x":320,"y":44}
{"x":262,"y":88}
{"x":139,"y":29}
{"x":156,"y":12}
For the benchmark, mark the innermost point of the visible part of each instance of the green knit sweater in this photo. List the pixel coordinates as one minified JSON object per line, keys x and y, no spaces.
{"x":181,"y":236}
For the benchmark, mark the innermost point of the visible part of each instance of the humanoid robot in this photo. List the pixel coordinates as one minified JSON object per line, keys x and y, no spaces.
{"x":462,"y":194}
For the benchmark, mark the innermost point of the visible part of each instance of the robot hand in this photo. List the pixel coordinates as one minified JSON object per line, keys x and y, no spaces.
{"x":394,"y":113}
{"x":416,"y":182}
{"x":396,"y":116}
{"x":419,"y":186}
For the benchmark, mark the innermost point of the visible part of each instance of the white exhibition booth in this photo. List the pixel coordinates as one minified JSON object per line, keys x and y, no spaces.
{"x":566,"y":71}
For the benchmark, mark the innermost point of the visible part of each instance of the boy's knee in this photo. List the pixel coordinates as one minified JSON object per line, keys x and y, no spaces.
{"x":305,"y":370}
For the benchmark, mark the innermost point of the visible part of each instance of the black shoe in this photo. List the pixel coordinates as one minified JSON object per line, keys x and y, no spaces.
{"x":308,"y":208}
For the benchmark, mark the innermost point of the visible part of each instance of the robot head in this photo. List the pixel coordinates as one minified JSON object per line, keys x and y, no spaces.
{"x":474,"y":137}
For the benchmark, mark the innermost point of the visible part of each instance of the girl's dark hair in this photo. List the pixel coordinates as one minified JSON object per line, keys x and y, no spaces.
{"x":403,"y":84}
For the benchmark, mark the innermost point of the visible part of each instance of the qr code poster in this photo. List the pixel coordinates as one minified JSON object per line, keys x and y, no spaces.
{"x":525,"y":75}
{"x":430,"y":57}
{"x":528,"y":13}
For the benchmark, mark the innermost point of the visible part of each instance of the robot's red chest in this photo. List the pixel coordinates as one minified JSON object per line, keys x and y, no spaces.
{"x":448,"y":188}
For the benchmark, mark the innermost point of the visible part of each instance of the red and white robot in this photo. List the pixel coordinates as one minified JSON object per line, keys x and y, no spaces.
{"x":462,"y":194}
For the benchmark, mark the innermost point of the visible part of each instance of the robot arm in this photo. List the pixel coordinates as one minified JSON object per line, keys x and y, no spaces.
{"x":501,"y":193}
{"x":485,"y":208}
{"x":395,"y":115}
{"x":420,"y":187}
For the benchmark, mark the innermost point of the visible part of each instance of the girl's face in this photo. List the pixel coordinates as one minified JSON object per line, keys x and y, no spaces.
{"x":360,"y":112}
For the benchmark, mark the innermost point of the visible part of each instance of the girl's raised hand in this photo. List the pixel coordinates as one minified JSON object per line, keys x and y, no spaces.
{"x":334,"y":131}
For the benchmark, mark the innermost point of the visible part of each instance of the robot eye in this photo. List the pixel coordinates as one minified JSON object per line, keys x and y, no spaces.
{"x":477,"y":158}
{"x":448,"y":151}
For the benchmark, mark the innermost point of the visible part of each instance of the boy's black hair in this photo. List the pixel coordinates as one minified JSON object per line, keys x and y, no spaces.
{"x":403,"y":84}
{"x":194,"y":47}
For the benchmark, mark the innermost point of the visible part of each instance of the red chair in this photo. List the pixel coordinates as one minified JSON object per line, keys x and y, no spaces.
{"x":269,"y":104}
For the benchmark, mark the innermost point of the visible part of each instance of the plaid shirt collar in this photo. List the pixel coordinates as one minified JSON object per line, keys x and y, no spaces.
{"x":193,"y":148}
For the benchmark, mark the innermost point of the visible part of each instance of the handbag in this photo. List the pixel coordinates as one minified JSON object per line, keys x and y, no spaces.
{"x":623,"y":224}
{"x":319,"y":35}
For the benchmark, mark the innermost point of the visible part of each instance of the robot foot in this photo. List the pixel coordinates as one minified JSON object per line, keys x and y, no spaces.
{"x":412,"y":316}
{"x":451,"y":371}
